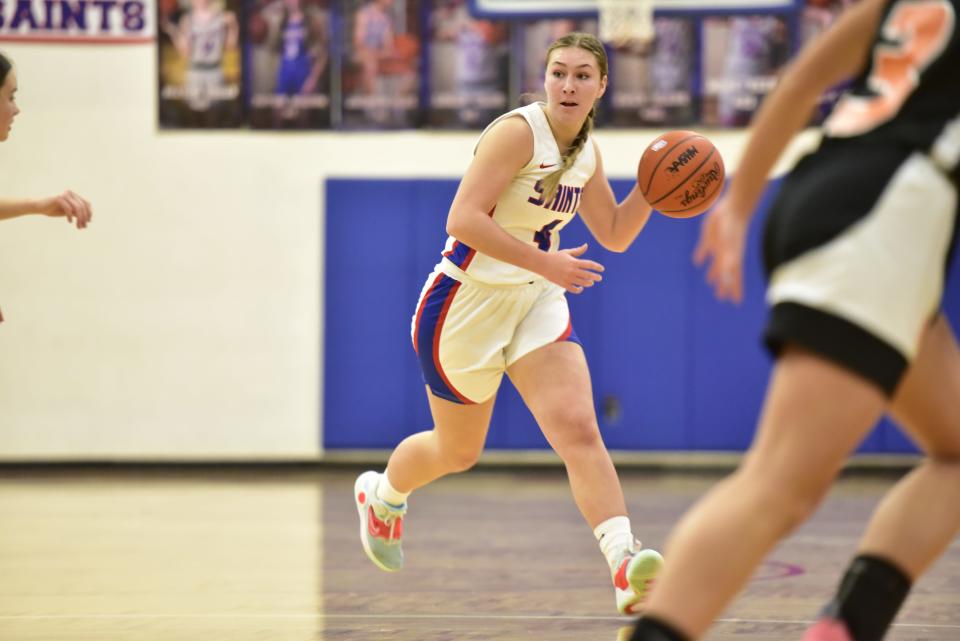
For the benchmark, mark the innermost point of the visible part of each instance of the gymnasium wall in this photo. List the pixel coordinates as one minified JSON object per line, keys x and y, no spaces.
{"x":672,"y":368}
{"x":187,"y":321}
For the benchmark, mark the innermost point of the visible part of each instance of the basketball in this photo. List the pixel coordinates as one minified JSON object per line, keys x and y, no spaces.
{"x":681,"y":174}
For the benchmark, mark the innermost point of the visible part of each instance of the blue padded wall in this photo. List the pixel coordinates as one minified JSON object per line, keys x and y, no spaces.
{"x":672,"y":368}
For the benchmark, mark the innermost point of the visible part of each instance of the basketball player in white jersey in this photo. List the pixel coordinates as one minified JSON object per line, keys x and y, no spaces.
{"x":496,"y":303}
{"x":69,"y":205}
{"x":203,"y":35}
{"x":855,"y":248}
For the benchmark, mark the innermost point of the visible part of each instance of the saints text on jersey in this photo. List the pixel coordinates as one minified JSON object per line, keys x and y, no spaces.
{"x":566,"y":201}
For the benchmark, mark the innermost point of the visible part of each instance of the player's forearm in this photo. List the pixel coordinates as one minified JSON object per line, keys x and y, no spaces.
{"x":14,"y":208}
{"x":629,"y":220}
{"x":481,"y":233}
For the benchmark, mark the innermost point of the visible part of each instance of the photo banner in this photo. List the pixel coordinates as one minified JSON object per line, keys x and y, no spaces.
{"x":288,"y":48}
{"x":656,"y":84}
{"x":199,"y":66}
{"x":381,"y":64}
{"x":469,"y":67}
{"x":409,"y":64}
{"x":742,"y":56}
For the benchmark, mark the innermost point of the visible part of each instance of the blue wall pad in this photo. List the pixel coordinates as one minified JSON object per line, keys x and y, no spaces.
{"x":672,"y":368}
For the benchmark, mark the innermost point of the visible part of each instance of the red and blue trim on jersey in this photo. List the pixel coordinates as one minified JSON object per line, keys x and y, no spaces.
{"x":426,"y":336}
{"x":460,"y":255}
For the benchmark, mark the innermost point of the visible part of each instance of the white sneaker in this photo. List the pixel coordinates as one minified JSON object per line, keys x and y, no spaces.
{"x":634,"y":577}
{"x":381,"y":525}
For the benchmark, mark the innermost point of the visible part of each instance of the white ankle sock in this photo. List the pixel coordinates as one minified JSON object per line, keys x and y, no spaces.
{"x":615,"y":538}
{"x":388,"y":495}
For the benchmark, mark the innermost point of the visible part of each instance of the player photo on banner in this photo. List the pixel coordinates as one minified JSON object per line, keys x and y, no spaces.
{"x":816,"y":16}
{"x":288,"y":63}
{"x":742,"y":55}
{"x":200,"y":65}
{"x":381,"y":64}
{"x":654,"y":85}
{"x":536,"y":38}
{"x":469,"y":72}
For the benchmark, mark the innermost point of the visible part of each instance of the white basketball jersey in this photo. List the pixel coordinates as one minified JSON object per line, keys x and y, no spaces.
{"x":521,"y":210}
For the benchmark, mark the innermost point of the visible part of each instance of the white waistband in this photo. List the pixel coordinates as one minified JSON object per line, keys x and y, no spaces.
{"x":454,"y":272}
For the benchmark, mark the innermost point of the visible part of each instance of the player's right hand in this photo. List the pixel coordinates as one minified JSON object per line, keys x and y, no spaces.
{"x":723,"y":239}
{"x":570,"y":272}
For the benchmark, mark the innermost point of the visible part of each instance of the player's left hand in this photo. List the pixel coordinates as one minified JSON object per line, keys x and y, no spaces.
{"x":723,"y":237}
{"x":70,"y":205}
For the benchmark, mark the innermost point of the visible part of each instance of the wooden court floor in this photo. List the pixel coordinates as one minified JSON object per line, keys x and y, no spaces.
{"x":273,"y":553}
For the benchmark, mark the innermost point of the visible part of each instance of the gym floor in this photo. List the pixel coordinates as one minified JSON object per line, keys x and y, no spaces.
{"x":272,"y":552}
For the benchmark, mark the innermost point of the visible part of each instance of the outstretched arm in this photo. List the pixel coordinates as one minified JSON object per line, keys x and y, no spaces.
{"x":68,"y":204}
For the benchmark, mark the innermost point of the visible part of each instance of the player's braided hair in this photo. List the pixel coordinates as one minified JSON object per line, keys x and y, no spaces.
{"x":5,"y":67}
{"x":587,"y":42}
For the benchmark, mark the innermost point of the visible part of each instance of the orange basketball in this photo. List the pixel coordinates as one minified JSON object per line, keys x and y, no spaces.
{"x":681,"y":174}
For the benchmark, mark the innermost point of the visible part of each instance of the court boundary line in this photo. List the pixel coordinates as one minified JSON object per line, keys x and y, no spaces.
{"x":358,"y":615}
